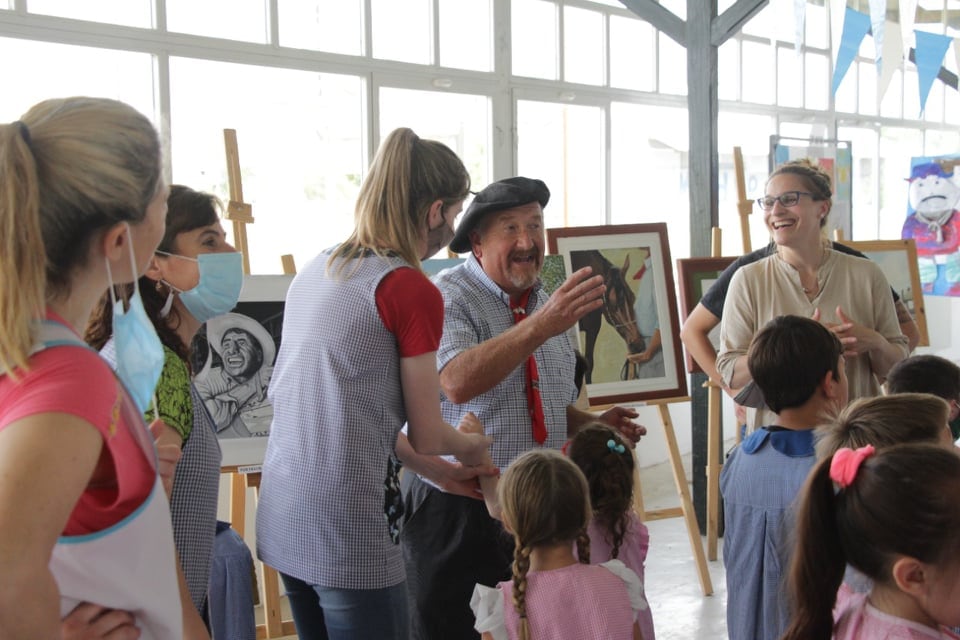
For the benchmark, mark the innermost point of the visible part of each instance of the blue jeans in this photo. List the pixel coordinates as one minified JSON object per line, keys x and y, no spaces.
{"x":322,"y":613}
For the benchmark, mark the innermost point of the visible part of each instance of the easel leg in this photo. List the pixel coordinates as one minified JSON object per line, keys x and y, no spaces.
{"x":638,"y":490}
{"x":680,"y":478}
{"x":238,"y":502}
{"x":713,"y":470}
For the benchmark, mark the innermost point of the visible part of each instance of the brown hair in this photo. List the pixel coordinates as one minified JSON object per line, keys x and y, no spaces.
{"x":407,"y":175}
{"x":187,"y":210}
{"x":816,"y":180}
{"x":902,"y":502}
{"x":69,"y":168}
{"x":925,"y":374}
{"x":545,"y":500}
{"x":883,"y":421}
{"x":609,"y":474}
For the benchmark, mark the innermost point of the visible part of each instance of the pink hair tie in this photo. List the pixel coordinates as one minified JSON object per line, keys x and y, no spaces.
{"x":846,"y":462}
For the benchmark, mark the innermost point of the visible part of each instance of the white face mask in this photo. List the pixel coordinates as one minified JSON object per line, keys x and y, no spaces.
{"x":221,"y":279}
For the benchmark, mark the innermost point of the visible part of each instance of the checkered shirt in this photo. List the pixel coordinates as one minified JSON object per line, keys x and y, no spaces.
{"x":476,"y":309}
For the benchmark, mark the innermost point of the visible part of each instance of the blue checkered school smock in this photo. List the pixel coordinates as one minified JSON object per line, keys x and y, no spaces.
{"x":337,"y":409}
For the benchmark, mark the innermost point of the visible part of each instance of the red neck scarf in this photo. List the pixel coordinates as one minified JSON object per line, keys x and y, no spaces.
{"x":534,"y":403}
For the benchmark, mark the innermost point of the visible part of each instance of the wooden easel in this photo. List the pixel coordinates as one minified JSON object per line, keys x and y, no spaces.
{"x":685,"y":510}
{"x":714,"y":439}
{"x":243,"y":478}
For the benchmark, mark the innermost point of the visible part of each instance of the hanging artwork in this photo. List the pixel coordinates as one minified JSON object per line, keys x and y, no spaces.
{"x":632,"y":343}
{"x":933,"y":221}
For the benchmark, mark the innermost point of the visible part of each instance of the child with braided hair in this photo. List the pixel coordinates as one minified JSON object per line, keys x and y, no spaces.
{"x":545,"y":504}
{"x":892,"y":514}
{"x":615,"y":530}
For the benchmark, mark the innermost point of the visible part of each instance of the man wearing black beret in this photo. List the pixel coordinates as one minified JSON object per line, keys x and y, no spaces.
{"x":505,"y":356}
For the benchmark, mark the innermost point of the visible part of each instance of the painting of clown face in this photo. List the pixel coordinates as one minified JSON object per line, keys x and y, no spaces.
{"x":934,"y":223}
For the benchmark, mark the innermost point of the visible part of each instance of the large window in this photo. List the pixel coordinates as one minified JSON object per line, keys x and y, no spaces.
{"x":582,"y":93}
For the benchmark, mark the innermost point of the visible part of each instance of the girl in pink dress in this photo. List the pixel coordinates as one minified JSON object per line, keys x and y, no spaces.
{"x":545,"y":503}
{"x":892,"y":515}
{"x":616,"y":532}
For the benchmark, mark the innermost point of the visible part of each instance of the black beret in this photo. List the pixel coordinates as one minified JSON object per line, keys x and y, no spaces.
{"x":497,"y":196}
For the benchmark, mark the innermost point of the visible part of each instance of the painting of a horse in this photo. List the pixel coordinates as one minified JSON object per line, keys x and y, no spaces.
{"x":617,"y":309}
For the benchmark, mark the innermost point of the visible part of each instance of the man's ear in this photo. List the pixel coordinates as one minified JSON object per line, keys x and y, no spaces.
{"x":476,"y":246}
{"x":910,"y":576}
{"x":830,"y":385}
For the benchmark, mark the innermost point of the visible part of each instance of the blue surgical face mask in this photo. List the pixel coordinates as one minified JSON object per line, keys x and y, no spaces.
{"x":217,"y":292}
{"x":139,"y":351}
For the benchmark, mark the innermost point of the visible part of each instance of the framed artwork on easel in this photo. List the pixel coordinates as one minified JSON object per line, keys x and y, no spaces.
{"x":632,"y":344}
{"x":696,"y":276}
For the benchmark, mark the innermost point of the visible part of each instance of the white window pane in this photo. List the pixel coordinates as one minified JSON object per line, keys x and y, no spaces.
{"x":797,"y":129}
{"x":557,"y":141}
{"x":911,"y":94}
{"x":320,"y":25}
{"x":402,"y":30}
{"x":752,"y":134}
{"x":632,"y":54}
{"x":789,"y":78}
{"x":890,"y":106}
{"x":774,"y":21}
{"x":130,"y":13}
{"x":247,"y":18}
{"x":461,"y":121}
{"x":758,"y":81}
{"x":938,"y":142}
{"x":583,"y":46}
{"x":46,"y":70}
{"x":952,"y":108}
{"x":466,"y":34}
{"x":534,"y":56}
{"x":649,"y":156}
{"x":867,"y":84}
{"x":728,"y":70}
{"x":817,"y":74}
{"x":672,"y":59}
{"x":300,"y":143}
{"x":817,"y":26}
{"x":933,"y":109}
{"x":897,"y":145}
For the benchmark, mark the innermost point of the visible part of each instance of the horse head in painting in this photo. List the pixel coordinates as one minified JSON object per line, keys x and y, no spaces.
{"x":617,"y":309}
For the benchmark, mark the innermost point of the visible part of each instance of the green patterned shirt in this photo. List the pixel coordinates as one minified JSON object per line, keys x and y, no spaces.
{"x":173,"y":394}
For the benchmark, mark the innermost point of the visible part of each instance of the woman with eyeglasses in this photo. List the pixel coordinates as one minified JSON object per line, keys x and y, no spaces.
{"x":806,"y":276}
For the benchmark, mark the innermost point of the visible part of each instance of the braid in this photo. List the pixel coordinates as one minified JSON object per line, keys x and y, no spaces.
{"x":583,"y":547}
{"x":521,"y":565}
{"x":618,"y":530}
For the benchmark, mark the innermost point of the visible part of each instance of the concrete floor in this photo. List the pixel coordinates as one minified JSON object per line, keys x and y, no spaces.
{"x":680,"y":610}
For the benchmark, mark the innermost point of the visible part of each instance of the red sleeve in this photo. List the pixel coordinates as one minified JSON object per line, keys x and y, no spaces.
{"x":411,"y":308}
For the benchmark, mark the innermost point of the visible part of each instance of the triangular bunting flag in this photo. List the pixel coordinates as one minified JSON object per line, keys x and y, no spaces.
{"x":908,"y":16}
{"x":930,"y":50}
{"x":891,"y":59}
{"x":837,"y":10}
{"x":799,"y":20}
{"x":855,"y":27}
{"x":878,"y":17}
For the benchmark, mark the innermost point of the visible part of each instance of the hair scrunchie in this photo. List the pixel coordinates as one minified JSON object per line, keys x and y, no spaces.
{"x":846,"y":463}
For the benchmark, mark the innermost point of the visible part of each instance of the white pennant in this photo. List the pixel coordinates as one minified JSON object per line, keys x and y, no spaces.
{"x":908,"y":17}
{"x":799,"y":18}
{"x":891,"y":59}
{"x":878,"y":18}
{"x":838,"y":10}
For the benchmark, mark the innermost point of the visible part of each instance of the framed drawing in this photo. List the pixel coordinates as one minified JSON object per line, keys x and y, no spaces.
{"x":696,"y":276}
{"x":433,"y":266}
{"x":632,"y":344}
{"x":233,"y":357}
{"x":898,"y":261}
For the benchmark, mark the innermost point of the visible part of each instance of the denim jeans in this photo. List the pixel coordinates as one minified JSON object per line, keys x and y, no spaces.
{"x":322,"y":613}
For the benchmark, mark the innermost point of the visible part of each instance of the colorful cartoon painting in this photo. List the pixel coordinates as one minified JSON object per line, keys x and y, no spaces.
{"x":933,"y":221}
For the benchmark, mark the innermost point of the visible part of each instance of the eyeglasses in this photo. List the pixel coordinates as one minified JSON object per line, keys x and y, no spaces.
{"x":787,"y":199}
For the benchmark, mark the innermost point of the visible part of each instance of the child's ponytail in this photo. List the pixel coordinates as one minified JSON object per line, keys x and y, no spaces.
{"x":521,"y":565}
{"x":817,"y":566}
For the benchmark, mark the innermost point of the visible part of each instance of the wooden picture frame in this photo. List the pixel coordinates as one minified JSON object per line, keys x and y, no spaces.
{"x":898,"y":261}
{"x":635,"y":261}
{"x":236,"y":394}
{"x":696,"y":275}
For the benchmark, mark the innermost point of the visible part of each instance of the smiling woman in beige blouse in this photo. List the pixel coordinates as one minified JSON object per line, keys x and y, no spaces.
{"x":805,"y":277}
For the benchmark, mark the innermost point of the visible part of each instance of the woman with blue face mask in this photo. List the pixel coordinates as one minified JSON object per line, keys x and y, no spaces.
{"x":195,"y":275}
{"x":83,"y":513}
